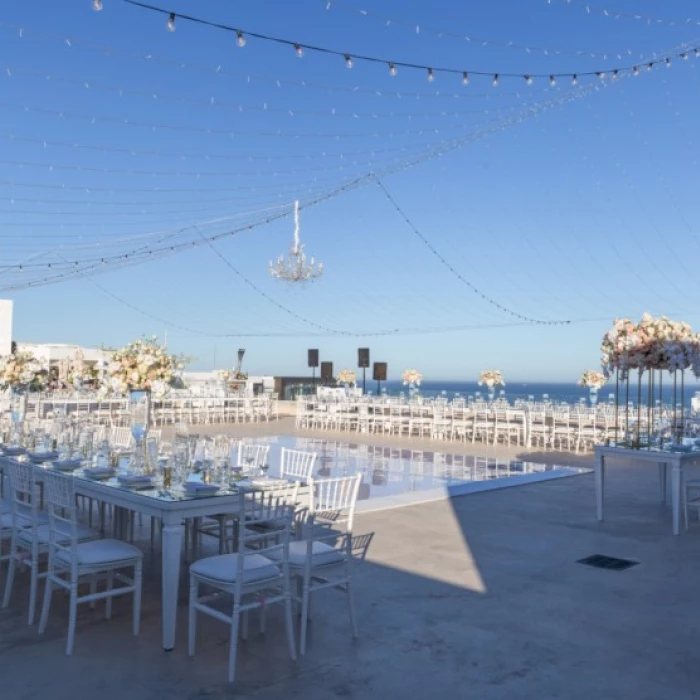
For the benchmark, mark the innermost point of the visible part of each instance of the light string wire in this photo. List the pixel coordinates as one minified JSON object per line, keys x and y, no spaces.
{"x":217,"y":103}
{"x":624,"y":14}
{"x":428,"y":69}
{"x":419,"y":29}
{"x":440,"y":149}
{"x":458,"y":275}
{"x":219,"y":70}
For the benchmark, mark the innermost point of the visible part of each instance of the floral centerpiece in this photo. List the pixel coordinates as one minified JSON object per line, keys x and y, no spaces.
{"x":412,"y":376}
{"x":224,"y":375}
{"x":491,"y":378}
{"x":592,"y":379}
{"x":346,"y":377}
{"x":143,"y":365}
{"x":22,"y":371}
{"x":80,"y":373}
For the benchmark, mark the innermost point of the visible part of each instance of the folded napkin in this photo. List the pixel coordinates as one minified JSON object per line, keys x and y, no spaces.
{"x":98,"y":472}
{"x":13,"y":451}
{"x":199,"y":486}
{"x":66,"y":464}
{"x":43,"y":456}
{"x":135,"y":480}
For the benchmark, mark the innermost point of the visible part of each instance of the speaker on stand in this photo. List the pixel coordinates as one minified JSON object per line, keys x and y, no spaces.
{"x":363,"y":363}
{"x":379,"y":374}
{"x":313,"y":363}
{"x":326,"y":372}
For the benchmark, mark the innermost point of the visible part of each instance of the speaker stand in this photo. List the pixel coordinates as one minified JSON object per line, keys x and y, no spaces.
{"x":364,"y":370}
{"x":313,"y":381}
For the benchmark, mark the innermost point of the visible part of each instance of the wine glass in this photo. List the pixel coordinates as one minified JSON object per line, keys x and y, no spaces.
{"x":264,"y":468}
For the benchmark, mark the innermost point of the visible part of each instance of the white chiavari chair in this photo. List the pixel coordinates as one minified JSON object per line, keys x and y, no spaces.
{"x":251,"y":456}
{"x":254,"y":577}
{"x":296,"y":464}
{"x":71,"y":558}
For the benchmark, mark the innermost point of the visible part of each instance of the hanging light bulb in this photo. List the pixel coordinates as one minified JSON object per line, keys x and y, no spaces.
{"x":392,"y":69}
{"x":635,"y":71}
{"x":552,"y":81}
{"x":495,"y":80}
{"x":684,"y":56}
{"x":348,"y":61}
{"x":299,"y":50}
{"x":668,"y":63}
{"x":615,"y":73}
{"x":528,"y":79}
{"x":574,"y":79}
{"x":171,"y":22}
{"x":650,"y":66}
{"x":465,"y":78}
{"x":240,"y":39}
{"x":601,"y":75}
{"x":696,"y":52}
{"x":97,"y":5}
{"x":431,"y":76}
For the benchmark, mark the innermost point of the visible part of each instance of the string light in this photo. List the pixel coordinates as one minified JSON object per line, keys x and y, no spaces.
{"x":465,"y":78}
{"x":574,"y":79}
{"x":431,"y":76}
{"x":684,"y":56}
{"x":97,"y":5}
{"x":240,"y":39}
{"x":349,"y":63}
{"x":300,"y":48}
{"x":528,"y":80}
{"x":635,"y":71}
{"x":615,"y":74}
{"x":668,"y":63}
{"x":171,"y":22}
{"x":494,"y":82}
{"x":552,"y":81}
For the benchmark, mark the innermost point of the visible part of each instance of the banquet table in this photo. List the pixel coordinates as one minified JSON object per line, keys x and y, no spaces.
{"x":172,"y":507}
{"x":677,"y":460}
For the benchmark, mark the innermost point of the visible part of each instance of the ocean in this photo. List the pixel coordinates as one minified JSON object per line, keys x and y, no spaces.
{"x":570,"y":393}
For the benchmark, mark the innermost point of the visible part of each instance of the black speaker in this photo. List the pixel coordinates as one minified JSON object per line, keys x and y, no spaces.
{"x":326,"y":371}
{"x":313,"y":358}
{"x":379,"y":372}
{"x":362,"y":357}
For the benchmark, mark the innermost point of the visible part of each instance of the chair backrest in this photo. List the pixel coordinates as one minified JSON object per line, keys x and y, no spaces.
{"x":251,"y":455}
{"x":59,"y":493}
{"x":121,"y":437}
{"x":297,"y":464}
{"x":25,"y":496}
{"x":332,"y":501}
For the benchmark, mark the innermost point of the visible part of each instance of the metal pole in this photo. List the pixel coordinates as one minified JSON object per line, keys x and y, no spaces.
{"x":617,"y":402}
{"x":364,"y":371}
{"x":675,"y":425}
{"x":627,"y":404}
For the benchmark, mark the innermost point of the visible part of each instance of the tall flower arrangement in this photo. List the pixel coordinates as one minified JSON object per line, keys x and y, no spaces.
{"x":412,"y":376}
{"x":652,"y":343}
{"x":592,"y":379}
{"x":22,"y":371}
{"x":143,"y":365}
{"x":491,"y":378}
{"x":80,"y":373}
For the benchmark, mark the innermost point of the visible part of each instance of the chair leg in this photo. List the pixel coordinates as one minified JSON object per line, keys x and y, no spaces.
{"x":138,"y":586}
{"x":93,"y":590}
{"x":72,"y":617}
{"x":33,"y":589}
{"x":192,"y":627}
{"x":108,"y":600}
{"x":304,"y":618}
{"x":263,"y":618}
{"x":289,"y":624}
{"x":244,"y":626}
{"x":10,"y":573}
{"x":233,"y":645}
{"x":351,"y":609}
{"x":48,"y":594}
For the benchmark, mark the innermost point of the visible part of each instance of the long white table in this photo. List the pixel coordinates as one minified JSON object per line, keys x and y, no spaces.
{"x":664,"y":458}
{"x":173,"y":511}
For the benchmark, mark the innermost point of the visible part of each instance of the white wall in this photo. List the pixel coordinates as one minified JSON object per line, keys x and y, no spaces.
{"x":5,"y":326}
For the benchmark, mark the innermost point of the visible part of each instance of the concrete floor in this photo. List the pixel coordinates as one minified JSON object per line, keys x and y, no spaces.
{"x":479,"y":597}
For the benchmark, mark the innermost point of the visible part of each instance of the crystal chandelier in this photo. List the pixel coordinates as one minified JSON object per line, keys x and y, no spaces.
{"x":295,"y":267}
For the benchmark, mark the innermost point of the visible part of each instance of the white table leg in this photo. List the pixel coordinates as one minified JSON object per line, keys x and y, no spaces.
{"x":663,"y":481}
{"x":676,"y":480}
{"x":599,"y":484}
{"x":171,"y":545}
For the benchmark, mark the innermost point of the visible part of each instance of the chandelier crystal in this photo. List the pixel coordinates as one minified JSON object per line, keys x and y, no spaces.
{"x":295,"y":267}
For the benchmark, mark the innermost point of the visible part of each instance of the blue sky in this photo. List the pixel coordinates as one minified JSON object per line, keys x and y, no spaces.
{"x":118,"y":135}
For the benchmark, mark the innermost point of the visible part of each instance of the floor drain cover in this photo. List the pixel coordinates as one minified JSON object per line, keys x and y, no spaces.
{"x":600,"y":561}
